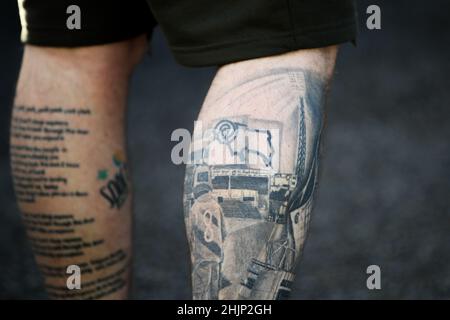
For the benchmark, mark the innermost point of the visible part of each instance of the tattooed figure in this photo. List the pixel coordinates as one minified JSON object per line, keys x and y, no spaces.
{"x":249,"y":189}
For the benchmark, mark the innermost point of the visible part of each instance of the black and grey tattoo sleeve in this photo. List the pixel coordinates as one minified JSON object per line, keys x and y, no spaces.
{"x":249,"y":188}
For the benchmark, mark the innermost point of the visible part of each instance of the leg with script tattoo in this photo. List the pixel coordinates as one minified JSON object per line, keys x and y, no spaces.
{"x":68,"y":157}
{"x":254,"y":162}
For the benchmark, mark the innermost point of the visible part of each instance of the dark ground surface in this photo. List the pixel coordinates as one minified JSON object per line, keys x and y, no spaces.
{"x":385,"y":187}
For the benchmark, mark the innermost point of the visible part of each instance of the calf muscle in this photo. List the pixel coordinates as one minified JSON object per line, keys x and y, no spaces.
{"x":249,"y":191}
{"x":70,"y":171}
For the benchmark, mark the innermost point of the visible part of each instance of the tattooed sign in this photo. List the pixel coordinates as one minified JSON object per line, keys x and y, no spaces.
{"x":241,"y":140}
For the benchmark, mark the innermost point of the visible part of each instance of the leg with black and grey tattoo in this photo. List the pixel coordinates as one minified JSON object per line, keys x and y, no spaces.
{"x":254,"y":164}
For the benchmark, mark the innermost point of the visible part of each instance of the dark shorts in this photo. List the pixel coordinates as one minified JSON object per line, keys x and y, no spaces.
{"x":199,"y":32}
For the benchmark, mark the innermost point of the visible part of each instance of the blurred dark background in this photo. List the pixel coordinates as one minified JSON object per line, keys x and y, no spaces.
{"x":385,"y":187}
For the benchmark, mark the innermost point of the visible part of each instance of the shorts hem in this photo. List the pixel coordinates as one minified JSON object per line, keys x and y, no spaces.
{"x":220,"y":54}
{"x":77,"y":38}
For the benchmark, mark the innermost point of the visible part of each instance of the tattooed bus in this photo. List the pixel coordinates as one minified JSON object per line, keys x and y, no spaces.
{"x":243,"y":192}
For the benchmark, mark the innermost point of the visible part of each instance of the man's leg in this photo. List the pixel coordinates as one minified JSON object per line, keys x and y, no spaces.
{"x":249,"y":191}
{"x":69,"y":163}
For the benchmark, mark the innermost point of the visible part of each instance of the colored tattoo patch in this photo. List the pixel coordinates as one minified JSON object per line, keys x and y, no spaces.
{"x":115,"y":191}
{"x":102,"y":174}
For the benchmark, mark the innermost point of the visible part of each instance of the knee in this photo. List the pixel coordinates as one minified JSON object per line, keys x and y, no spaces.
{"x":115,"y":59}
{"x":64,"y":75}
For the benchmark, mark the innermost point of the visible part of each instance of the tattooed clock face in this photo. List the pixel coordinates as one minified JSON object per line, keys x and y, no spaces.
{"x":225,"y":131}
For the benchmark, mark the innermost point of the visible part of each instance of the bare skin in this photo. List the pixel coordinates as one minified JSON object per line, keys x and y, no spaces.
{"x":249,"y":191}
{"x":248,"y":195}
{"x":69,"y":162}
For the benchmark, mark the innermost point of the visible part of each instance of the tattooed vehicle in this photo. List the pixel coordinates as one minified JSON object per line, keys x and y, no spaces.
{"x":237,"y":192}
{"x":242,"y":191}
